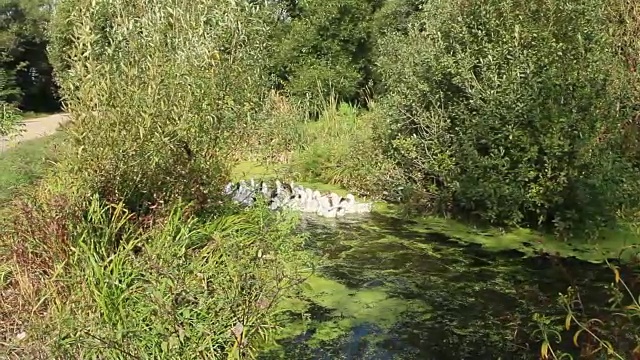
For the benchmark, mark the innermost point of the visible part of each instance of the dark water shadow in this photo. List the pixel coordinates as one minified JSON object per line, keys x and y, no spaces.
{"x":482,"y":302}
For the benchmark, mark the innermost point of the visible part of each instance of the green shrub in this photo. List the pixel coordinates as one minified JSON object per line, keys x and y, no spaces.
{"x":323,"y":50}
{"x":624,"y":17}
{"x":23,"y":44}
{"x":511,"y":111}
{"x":10,"y":116}
{"x":341,"y":148}
{"x":395,"y":16}
{"x":9,"y":119}
{"x":157,"y":90}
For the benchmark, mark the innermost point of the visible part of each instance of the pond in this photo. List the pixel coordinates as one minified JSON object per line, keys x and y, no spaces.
{"x":388,"y":291}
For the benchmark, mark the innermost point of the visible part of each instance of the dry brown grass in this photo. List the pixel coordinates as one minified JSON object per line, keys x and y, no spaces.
{"x":34,"y":247}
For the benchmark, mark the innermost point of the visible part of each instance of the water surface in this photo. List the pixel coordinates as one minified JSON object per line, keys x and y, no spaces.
{"x":389,"y":289}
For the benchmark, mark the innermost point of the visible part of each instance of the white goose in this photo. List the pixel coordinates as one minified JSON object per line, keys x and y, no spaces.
{"x":328,"y":213}
{"x":348,"y":204}
{"x":299,"y":199}
{"x":362,"y":208}
{"x":325,"y":209}
{"x":335,"y":199}
{"x":312,"y":204}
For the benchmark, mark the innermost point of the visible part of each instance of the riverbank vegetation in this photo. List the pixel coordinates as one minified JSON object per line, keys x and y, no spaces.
{"x":130,"y":225}
{"x":24,"y":165}
{"x":487,"y":114}
{"x":499,"y":113}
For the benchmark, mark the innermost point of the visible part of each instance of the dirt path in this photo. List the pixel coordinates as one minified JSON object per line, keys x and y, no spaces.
{"x":35,"y":128}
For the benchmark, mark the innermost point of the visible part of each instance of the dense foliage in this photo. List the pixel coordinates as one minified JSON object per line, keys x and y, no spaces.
{"x":195,"y":66}
{"x":483,"y":110}
{"x":322,"y":49}
{"x":512,"y":111}
{"x":10,"y":116}
{"x":23,"y":54}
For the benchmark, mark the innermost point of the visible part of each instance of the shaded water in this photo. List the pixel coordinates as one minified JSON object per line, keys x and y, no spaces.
{"x":389,"y":291}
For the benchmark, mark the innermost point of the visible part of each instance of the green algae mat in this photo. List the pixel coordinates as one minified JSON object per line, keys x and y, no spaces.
{"x":383,"y":291}
{"x":389,"y":287}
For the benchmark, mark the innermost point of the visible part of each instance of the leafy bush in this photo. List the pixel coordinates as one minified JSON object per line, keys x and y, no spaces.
{"x":156,"y":90}
{"x":23,"y":43}
{"x":9,"y":119}
{"x":511,"y":111}
{"x":322,"y":49}
{"x":624,"y":17}
{"x":10,"y":116}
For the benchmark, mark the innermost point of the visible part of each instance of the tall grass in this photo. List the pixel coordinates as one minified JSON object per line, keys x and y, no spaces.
{"x":276,"y":134}
{"x":22,"y":165}
{"x":175,"y":291}
{"x":340,"y":147}
{"x":127,"y":248}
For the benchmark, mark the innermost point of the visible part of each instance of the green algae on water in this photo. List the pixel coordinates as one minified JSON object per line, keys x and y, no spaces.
{"x":532,"y":243}
{"x":346,"y":308}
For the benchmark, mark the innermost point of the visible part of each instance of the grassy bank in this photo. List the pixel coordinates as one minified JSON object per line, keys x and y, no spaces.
{"x":127,"y":248}
{"x":24,"y":164}
{"x":123,"y":275}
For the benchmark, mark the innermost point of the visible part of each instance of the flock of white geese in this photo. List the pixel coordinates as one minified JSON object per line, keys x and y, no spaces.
{"x":296,"y":197}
